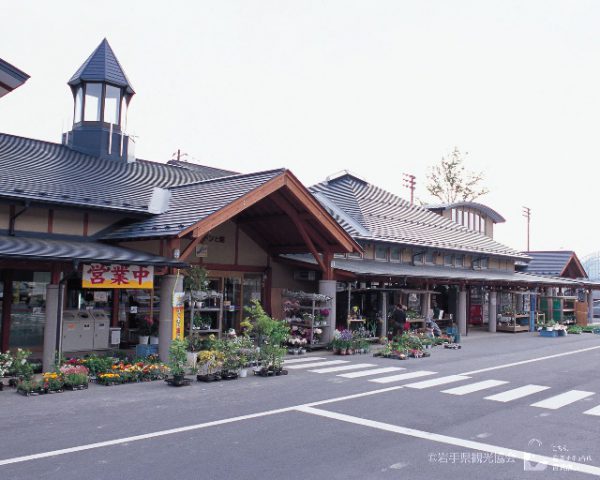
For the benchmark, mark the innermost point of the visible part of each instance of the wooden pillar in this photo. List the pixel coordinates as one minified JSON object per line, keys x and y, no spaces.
{"x":7,"y":293}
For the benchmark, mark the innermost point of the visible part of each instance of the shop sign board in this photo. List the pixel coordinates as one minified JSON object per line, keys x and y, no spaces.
{"x":96,"y":275}
{"x":178,"y":312}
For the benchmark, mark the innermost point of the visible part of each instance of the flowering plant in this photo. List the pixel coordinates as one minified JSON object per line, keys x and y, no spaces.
{"x":6,"y":362}
{"x":145,"y":326}
{"x":53,"y":381}
{"x":325,"y":312}
{"x":210,"y":360}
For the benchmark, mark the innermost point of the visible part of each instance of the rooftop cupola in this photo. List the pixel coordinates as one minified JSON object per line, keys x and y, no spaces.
{"x":101,"y":93}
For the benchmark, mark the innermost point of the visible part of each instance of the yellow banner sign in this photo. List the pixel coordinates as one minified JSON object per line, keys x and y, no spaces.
{"x":178,"y":315}
{"x":177,"y":323}
{"x":96,"y":275}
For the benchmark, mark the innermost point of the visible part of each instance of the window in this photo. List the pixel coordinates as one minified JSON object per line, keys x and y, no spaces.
{"x":381,"y":252}
{"x":418,"y":259}
{"x":448,"y":260}
{"x":459,"y":217}
{"x":395,"y":254}
{"x":470,"y":226}
{"x":93,"y":94}
{"x":454,"y":214}
{"x":111,"y":104}
{"x":459,"y":261}
{"x":484,"y":263}
{"x":430,"y":258}
{"x":476,"y":222}
{"x":78,"y":105}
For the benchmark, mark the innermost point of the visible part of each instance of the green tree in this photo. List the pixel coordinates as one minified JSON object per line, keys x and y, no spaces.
{"x":450,"y":181}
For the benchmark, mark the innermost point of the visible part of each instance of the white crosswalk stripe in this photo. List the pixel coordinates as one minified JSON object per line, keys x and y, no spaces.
{"x":517,"y":393}
{"x":317,"y":364}
{"x":593,"y":411}
{"x":474,"y":387}
{"x":437,"y":381}
{"x":402,"y":376}
{"x":374,"y":371}
{"x":354,"y":366}
{"x":302,"y":360}
{"x":559,"y":401}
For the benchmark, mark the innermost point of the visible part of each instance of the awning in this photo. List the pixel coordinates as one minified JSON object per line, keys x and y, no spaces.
{"x":32,"y":248}
{"x":382,"y":269}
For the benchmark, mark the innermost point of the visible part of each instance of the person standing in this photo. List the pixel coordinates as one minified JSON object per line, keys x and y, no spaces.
{"x":399,"y":319}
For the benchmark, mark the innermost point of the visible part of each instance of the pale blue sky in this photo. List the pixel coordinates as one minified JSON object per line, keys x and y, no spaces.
{"x":376,"y":87}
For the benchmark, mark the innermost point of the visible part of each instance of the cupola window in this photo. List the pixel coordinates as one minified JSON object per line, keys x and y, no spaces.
{"x":112,"y":102}
{"x":78,"y":105}
{"x":93,"y":96}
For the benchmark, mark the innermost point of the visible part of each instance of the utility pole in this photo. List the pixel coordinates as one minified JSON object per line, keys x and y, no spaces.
{"x":527,"y":215}
{"x":410,"y":183}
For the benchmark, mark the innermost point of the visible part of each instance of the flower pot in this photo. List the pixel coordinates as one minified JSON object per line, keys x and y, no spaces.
{"x":143,"y":339}
{"x":243,"y":373}
{"x":153,"y":340}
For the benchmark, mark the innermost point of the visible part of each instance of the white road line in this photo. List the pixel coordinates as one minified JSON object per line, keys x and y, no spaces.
{"x":539,"y":359}
{"x":374,"y":371}
{"x":317,"y":364}
{"x":402,"y":376}
{"x":437,"y":381}
{"x":459,"y":442}
{"x":172,"y":431}
{"x":474,"y":387}
{"x":558,"y":401}
{"x":593,"y":411}
{"x":302,"y":360}
{"x":343,"y":367}
{"x":516,"y":393}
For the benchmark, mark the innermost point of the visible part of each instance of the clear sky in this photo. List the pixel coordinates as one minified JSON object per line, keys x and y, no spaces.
{"x":376,"y":87}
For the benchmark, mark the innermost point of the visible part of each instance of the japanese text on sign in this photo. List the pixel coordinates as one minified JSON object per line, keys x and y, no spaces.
{"x":96,"y":275}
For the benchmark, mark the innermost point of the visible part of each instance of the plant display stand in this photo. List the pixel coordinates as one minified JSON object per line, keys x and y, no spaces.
{"x":548,"y":333}
{"x":184,"y":382}
{"x":304,"y":310}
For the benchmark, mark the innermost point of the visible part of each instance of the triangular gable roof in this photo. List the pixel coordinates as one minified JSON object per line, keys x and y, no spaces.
{"x":561,"y":263}
{"x":389,"y":218}
{"x":196,"y":209}
{"x":102,"y":66}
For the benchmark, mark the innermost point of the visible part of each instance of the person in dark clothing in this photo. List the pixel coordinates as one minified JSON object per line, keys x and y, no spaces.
{"x":398,"y":321}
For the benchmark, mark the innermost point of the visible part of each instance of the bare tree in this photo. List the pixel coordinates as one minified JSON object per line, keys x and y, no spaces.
{"x":451,"y":182}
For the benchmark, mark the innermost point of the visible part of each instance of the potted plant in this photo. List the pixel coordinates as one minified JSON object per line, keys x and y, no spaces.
{"x":230,"y":350}
{"x":144,"y":330}
{"x":53,"y":382}
{"x":6,"y":362}
{"x":154,"y":333}
{"x":75,"y":376}
{"x":30,"y":387}
{"x":209,"y":364}
{"x":272,"y":336}
{"x":22,"y":369}
{"x":177,"y":361}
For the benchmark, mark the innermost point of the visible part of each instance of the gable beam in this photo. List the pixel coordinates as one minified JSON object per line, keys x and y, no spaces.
{"x":201,"y":228}
{"x":291,"y":211}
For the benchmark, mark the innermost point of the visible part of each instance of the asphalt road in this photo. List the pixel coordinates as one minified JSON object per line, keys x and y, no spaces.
{"x":432,"y":420}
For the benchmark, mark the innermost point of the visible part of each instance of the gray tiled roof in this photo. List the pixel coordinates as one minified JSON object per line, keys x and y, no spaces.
{"x":548,"y":263}
{"x":192,"y":203}
{"x":388,"y":269}
{"x":34,"y":248}
{"x":102,"y":66}
{"x":52,"y":173}
{"x":388,"y":218}
{"x":206,"y":171}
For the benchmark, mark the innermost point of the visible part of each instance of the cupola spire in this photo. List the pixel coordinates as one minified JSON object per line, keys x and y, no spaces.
{"x":101,"y":93}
